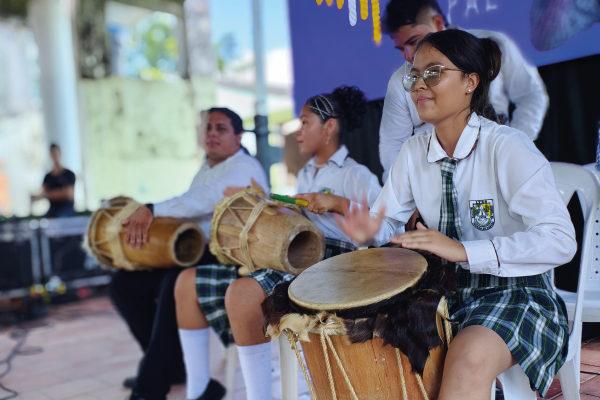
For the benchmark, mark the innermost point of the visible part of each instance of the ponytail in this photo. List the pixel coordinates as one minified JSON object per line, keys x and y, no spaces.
{"x":471,"y":55}
{"x":347,"y":104}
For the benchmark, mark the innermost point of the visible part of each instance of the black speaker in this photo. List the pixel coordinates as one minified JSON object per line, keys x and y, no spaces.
{"x":19,"y":255}
{"x":61,"y":242}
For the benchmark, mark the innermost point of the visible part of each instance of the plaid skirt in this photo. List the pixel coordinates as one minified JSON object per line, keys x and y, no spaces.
{"x":524,"y":311}
{"x":213,"y":280}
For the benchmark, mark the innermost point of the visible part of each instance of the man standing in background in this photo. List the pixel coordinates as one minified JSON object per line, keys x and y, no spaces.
{"x":58,"y":188}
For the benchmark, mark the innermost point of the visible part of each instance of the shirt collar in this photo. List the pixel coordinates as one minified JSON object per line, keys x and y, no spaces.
{"x":239,"y":153}
{"x":338,"y":158}
{"x":464,"y":147}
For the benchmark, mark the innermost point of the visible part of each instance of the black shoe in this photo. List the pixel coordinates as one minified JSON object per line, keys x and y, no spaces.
{"x":134,"y":396}
{"x":214,"y":391}
{"x":130,"y":382}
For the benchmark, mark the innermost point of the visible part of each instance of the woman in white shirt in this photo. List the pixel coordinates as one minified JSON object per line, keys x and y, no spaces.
{"x":489,"y":198}
{"x":214,"y":295}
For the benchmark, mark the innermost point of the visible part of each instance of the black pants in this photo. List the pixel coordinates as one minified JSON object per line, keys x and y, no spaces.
{"x":146,"y":300}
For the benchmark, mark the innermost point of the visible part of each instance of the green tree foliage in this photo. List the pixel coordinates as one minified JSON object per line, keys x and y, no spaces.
{"x":13,"y":8}
{"x":158,"y":45}
{"x":225,"y":51}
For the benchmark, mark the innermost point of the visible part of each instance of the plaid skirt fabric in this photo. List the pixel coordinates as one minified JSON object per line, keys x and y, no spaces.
{"x":213,"y":280}
{"x":524,"y":311}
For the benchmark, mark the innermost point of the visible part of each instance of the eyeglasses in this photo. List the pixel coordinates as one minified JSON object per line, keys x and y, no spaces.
{"x":431,"y":76}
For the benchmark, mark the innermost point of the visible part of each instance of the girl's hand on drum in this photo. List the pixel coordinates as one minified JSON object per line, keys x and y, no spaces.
{"x":432,"y":241}
{"x":358,"y":224}
{"x":231,"y":190}
{"x":138,"y":224}
{"x":257,"y":185}
{"x":319,"y":203}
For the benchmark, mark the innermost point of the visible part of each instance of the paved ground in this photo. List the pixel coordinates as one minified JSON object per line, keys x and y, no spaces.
{"x":88,"y":351}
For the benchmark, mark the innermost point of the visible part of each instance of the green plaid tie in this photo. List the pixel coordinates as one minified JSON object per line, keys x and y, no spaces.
{"x":450,"y":224}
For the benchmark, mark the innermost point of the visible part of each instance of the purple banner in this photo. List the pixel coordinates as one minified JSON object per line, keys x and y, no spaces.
{"x":329,"y":52}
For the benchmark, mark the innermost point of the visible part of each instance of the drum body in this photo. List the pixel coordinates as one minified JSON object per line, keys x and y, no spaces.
{"x":331,"y":298}
{"x":172,"y":242}
{"x":252,"y":230}
{"x":372,"y":368}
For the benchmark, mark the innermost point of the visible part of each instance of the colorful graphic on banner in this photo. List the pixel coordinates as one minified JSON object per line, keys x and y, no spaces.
{"x":364,"y":13}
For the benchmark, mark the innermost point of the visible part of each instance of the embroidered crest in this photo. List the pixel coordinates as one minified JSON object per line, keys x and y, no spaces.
{"x":326,"y":191}
{"x":482,"y":214}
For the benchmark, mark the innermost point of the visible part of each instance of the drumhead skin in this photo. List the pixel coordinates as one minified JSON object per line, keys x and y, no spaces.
{"x":357,"y":279}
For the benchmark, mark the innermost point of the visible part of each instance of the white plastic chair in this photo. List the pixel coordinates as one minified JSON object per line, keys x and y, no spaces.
{"x":289,"y":371}
{"x":569,"y":179}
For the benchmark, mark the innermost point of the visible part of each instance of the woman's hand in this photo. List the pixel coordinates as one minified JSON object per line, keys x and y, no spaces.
{"x":319,"y":203}
{"x":358,"y":225}
{"x":432,"y":241}
{"x":231,"y":190}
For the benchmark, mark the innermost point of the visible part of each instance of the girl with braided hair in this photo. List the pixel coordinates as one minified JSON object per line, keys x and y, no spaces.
{"x":215,"y":296}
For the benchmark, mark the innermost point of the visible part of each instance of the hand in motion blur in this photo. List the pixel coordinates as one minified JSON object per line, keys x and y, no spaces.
{"x":432,"y":241}
{"x":358,"y":224}
{"x":138,"y":224}
{"x":231,"y":190}
{"x":319,"y":203}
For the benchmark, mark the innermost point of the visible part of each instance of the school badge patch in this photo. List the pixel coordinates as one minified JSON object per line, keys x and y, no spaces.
{"x":326,"y":191}
{"x":482,"y":214}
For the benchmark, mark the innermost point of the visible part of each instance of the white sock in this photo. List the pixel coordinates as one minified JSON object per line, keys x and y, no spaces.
{"x":256,"y":367}
{"x":195,"y":354}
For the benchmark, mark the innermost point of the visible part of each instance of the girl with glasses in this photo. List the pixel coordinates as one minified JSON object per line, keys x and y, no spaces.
{"x":489,"y":203}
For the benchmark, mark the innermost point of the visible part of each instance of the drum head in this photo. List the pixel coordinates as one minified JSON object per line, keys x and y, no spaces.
{"x":357,"y":279}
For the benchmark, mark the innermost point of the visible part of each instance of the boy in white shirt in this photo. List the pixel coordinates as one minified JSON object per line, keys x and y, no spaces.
{"x":408,"y":22}
{"x":145,"y":299}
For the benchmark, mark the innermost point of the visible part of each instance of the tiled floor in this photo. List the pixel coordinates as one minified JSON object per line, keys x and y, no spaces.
{"x":88,"y":351}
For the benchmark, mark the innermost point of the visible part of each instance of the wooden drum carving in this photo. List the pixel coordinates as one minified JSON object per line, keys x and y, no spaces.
{"x":172,"y":242}
{"x":252,"y":230}
{"x":370,"y":325}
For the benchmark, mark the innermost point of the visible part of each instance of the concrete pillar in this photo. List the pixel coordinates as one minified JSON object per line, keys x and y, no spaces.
{"x":261,"y":121}
{"x":51,"y":21}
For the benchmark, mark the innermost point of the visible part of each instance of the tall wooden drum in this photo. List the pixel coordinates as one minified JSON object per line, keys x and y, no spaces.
{"x":172,"y":242}
{"x":347,"y":309}
{"x":257,"y":232}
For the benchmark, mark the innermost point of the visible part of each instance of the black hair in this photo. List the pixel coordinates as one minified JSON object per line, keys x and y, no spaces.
{"x":471,"y":55}
{"x":347,"y":104}
{"x":54,"y":146}
{"x":236,"y":121}
{"x":405,"y":12}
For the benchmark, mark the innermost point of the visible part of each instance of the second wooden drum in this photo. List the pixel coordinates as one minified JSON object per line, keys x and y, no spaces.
{"x":252,"y":230}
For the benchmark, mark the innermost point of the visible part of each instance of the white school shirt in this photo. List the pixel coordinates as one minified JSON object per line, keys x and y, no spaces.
{"x":526,"y":229}
{"x":206,"y":190}
{"x":342,"y":176}
{"x":517,"y":82}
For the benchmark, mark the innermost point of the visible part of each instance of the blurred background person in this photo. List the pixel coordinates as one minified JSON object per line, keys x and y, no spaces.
{"x":58,"y":187}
